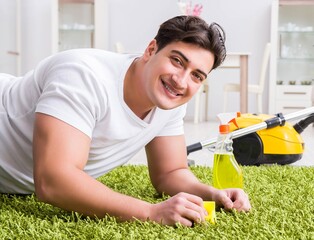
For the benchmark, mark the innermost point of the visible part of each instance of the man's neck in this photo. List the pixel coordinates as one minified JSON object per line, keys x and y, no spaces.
{"x":133,"y":91}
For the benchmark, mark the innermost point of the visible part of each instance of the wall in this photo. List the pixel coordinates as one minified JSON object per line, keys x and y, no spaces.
{"x":35,"y":33}
{"x":135,"y":22}
{"x":8,"y":43}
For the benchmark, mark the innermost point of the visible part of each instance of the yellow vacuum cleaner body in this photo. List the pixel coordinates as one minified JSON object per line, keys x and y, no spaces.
{"x":280,"y":145}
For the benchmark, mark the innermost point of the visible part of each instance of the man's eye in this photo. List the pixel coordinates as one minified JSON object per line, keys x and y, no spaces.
{"x":177,"y":61}
{"x":197,"y":76}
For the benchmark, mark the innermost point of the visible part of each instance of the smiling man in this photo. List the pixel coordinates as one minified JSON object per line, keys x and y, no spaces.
{"x":83,"y":112}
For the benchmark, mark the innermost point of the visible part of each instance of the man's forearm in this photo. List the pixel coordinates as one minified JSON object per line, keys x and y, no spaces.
{"x":183,"y":180}
{"x":81,"y":193}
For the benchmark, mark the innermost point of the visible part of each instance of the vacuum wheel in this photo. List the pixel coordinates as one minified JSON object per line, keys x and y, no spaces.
{"x":248,"y":149}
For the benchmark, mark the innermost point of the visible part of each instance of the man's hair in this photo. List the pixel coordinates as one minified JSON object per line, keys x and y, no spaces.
{"x":194,"y":30}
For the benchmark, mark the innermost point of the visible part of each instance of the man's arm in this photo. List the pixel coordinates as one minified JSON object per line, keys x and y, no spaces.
{"x":169,"y":172}
{"x":60,"y":154}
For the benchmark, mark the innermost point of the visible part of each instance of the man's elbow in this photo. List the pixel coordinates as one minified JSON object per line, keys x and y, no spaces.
{"x":159,"y":185}
{"x":44,"y":190}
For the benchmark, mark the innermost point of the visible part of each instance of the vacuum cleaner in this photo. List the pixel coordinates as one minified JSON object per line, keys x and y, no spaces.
{"x":265,"y":139}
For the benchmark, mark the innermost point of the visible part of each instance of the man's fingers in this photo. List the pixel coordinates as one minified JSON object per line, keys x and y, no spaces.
{"x":195,"y":212}
{"x":235,"y":198}
{"x":192,"y":198}
{"x":242,"y":205}
{"x":192,"y":207}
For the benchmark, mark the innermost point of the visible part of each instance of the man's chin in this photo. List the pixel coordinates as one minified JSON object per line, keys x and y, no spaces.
{"x":169,"y":107}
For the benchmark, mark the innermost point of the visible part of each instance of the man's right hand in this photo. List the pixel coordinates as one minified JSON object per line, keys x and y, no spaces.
{"x":182,"y":208}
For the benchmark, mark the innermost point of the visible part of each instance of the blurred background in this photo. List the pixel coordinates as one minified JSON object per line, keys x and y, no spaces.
{"x":32,"y":30}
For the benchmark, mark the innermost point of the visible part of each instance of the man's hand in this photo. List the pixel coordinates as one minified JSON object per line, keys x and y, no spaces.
{"x":232,"y":198}
{"x":170,"y":174}
{"x":182,"y":208}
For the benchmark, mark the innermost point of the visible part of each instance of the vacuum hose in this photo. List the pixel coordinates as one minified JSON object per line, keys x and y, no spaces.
{"x":300,"y":126}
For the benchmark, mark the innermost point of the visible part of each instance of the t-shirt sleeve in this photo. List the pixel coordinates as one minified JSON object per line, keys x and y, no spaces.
{"x":175,"y":125}
{"x":69,"y":93}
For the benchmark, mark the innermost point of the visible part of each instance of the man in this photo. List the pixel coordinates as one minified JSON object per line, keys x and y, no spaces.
{"x":83,"y":112}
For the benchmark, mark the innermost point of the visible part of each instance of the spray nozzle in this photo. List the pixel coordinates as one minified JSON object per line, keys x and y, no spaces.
{"x":225,"y":119}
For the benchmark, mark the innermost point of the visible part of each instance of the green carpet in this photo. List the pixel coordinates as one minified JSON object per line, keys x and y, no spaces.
{"x":282,"y":198}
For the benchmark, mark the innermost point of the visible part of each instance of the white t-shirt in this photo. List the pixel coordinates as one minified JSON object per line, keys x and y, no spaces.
{"x":83,"y":88}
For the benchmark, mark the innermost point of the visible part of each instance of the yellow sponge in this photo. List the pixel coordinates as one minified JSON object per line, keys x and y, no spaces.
{"x":210,"y":207}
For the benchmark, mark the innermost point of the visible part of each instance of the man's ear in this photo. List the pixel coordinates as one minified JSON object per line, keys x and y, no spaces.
{"x":151,"y":49}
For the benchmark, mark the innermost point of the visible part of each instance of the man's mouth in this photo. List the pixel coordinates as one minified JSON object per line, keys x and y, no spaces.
{"x":170,"y":89}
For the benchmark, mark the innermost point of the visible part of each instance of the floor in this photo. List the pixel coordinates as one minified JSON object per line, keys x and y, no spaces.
{"x":206,"y":130}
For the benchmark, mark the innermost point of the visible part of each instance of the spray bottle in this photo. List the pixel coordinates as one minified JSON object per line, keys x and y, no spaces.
{"x":226,"y":171}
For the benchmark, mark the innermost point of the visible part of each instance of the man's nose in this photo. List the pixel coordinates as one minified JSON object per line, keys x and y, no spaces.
{"x":180,"y":80}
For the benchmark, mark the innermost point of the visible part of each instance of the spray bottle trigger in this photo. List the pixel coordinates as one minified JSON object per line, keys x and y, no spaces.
{"x":225,"y":119}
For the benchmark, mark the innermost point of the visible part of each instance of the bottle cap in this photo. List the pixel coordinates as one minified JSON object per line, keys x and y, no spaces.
{"x":224,"y":128}
{"x":225,"y":119}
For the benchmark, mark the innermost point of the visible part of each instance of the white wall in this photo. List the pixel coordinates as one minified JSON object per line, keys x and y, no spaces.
{"x":35,"y":33}
{"x":7,"y":40}
{"x":247,"y":25}
{"x":135,"y":23}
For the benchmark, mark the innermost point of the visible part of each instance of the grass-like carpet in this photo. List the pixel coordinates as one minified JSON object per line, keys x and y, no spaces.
{"x":282,"y":198}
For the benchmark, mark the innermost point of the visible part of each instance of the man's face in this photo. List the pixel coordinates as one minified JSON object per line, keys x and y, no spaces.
{"x":174,"y":74}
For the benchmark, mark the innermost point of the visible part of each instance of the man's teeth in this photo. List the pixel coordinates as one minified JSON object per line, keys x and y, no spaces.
{"x":168,"y":88}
